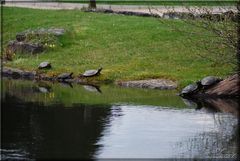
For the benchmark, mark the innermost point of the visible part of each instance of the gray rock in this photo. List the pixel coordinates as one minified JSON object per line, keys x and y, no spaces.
{"x":20,"y":37}
{"x":44,"y":65}
{"x":17,"y":73}
{"x":6,"y":71}
{"x":151,"y":84}
{"x":56,"y":31}
{"x":24,"y":47}
{"x":28,"y":74}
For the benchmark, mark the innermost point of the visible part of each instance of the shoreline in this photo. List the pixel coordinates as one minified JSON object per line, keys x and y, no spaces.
{"x":162,"y":84}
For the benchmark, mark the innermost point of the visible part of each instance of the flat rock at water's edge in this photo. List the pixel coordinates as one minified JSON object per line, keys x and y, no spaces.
{"x":150,"y":83}
{"x":18,"y":73}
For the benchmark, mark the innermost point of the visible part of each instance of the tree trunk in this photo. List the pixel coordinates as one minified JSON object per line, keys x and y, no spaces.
{"x":92,"y":4}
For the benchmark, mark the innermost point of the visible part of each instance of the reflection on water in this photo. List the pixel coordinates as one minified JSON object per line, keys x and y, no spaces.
{"x":52,"y":131}
{"x":154,"y":132}
{"x":52,"y":121}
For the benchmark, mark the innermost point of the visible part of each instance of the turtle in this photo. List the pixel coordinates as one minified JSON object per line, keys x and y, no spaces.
{"x":64,"y":76}
{"x":91,"y":73}
{"x":44,"y":65}
{"x":190,"y":89}
{"x":209,"y":81}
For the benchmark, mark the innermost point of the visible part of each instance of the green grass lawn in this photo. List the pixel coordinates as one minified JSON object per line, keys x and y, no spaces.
{"x":160,"y":2}
{"x":127,"y":47}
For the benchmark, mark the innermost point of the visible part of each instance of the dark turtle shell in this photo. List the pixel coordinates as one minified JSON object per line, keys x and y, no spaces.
{"x":65,"y":76}
{"x":210,"y":80}
{"x":90,"y":73}
{"x":189,"y":89}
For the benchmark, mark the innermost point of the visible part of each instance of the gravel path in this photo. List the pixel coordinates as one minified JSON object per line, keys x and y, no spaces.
{"x":133,"y":8}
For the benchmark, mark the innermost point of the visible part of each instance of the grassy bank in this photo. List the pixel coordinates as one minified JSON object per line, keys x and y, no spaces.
{"x":127,"y":47}
{"x":160,"y":2}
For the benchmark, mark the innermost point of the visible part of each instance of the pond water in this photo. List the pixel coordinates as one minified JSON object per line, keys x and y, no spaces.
{"x":43,"y":120}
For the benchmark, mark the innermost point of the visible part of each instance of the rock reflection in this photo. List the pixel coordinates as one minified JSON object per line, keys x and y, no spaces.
{"x":217,"y":144}
{"x":221,"y":143}
{"x":226,"y":105}
{"x":47,"y":121}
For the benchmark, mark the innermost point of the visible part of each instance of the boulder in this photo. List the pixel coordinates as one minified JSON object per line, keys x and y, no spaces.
{"x":28,"y":74}
{"x":20,"y":37}
{"x":151,"y":84}
{"x":16,"y":73}
{"x":24,"y":47}
{"x":56,"y":31}
{"x":6,"y":71}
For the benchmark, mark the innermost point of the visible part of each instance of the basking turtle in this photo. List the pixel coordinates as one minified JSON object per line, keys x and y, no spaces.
{"x":190,"y":89}
{"x":91,"y":73}
{"x":209,"y":81}
{"x":64,"y":76}
{"x":45,"y":65}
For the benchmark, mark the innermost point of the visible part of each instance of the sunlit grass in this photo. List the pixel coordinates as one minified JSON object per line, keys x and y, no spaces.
{"x":127,"y":47}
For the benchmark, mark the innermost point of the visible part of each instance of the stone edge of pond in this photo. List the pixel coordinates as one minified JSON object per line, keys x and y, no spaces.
{"x":16,"y":73}
{"x":161,"y":84}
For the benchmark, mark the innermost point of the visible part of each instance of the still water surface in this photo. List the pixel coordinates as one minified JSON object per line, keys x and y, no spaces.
{"x":58,"y":121}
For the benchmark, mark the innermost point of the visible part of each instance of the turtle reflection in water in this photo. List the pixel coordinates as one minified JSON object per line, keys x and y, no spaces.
{"x":66,"y":84}
{"x":92,"y":88}
{"x":42,"y":87}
